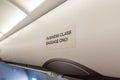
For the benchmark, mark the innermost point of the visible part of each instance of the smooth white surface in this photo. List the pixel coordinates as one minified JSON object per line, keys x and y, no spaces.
{"x":1,"y":35}
{"x":14,"y":15}
{"x":9,"y":16}
{"x":29,"y":5}
{"x":45,"y":7}
{"x":97,"y":36}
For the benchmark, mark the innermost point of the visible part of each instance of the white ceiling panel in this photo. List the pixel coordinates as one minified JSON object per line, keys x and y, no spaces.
{"x":28,"y":5}
{"x":46,"y":7}
{"x":1,"y":35}
{"x":16,"y":14}
{"x":10,"y":16}
{"x":36,"y":8}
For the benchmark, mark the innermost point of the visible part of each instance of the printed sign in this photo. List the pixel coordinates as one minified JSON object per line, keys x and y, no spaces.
{"x":58,"y":38}
{"x":63,"y":39}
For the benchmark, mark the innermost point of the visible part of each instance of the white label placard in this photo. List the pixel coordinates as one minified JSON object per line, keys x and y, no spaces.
{"x":61,"y":39}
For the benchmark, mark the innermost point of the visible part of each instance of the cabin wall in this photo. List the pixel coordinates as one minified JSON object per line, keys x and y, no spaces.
{"x":95,"y":26}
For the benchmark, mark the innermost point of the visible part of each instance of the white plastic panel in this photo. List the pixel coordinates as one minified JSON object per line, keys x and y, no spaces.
{"x":45,"y":7}
{"x":9,"y":16}
{"x":28,"y":5}
{"x":16,"y":20}
{"x":1,"y":35}
{"x":97,"y":36}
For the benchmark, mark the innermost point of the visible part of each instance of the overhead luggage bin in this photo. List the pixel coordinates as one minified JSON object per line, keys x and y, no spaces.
{"x":84,"y":31}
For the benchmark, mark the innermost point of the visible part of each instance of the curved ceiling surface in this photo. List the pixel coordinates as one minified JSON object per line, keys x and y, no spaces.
{"x":16,"y":14}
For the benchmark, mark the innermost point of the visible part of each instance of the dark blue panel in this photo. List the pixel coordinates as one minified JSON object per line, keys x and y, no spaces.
{"x":8,"y":72}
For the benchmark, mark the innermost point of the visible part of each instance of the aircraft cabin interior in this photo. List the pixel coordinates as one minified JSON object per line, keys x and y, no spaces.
{"x":59,"y":39}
